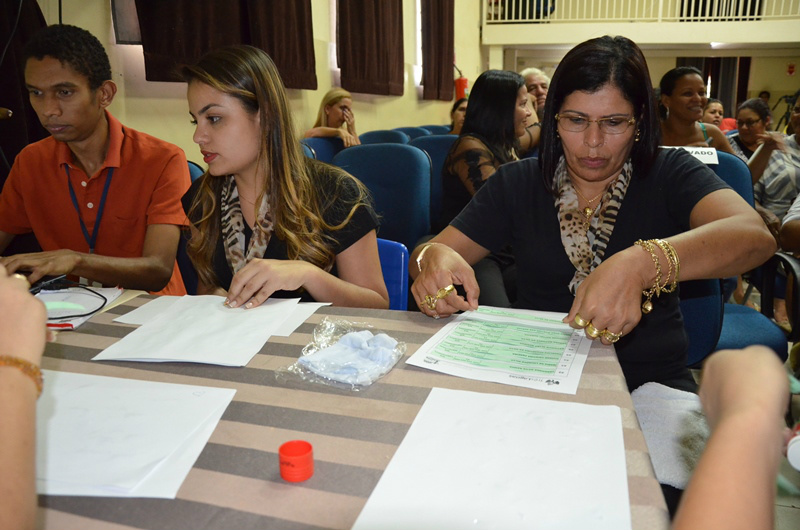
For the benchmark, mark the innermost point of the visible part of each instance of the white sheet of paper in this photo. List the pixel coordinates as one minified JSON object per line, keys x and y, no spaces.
{"x":485,"y":461}
{"x":519,"y":347}
{"x":200,"y":329}
{"x":112,"y":437}
{"x":144,"y":313}
{"x":151,"y":309}
{"x":300,"y":314}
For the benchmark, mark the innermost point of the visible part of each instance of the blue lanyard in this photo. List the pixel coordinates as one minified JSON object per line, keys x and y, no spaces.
{"x":93,"y":239}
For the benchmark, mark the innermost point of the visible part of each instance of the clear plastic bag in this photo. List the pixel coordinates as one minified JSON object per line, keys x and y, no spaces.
{"x":344,"y":354}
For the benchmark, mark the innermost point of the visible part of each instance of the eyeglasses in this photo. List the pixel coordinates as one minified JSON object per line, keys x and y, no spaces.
{"x":746,"y":123}
{"x":577,"y":123}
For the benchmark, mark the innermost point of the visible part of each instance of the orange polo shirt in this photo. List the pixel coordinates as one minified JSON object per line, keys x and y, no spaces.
{"x":149,"y":178}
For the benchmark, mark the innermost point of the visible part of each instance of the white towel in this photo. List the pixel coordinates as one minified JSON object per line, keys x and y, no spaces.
{"x":674,"y":428}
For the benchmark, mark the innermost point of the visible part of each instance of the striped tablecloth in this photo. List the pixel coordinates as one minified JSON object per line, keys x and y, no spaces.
{"x":235,"y":483}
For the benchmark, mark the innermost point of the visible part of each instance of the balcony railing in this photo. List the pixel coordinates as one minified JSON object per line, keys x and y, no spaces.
{"x":558,"y":11}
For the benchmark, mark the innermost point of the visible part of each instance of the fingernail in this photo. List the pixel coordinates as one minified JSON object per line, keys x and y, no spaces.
{"x":232,"y":303}
{"x":248,"y":305}
{"x":226,"y":302}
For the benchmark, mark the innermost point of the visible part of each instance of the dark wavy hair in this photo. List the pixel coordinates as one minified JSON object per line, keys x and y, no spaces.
{"x":758,"y":106}
{"x":588,"y":67}
{"x":490,"y":113}
{"x":668,"y":81}
{"x":72,"y":46}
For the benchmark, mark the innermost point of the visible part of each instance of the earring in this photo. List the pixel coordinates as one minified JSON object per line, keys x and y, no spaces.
{"x":667,"y":112}
{"x":636,"y":138}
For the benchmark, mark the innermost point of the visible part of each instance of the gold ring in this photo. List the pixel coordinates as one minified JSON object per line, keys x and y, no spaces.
{"x":610,"y":336}
{"x":444,"y":291}
{"x":580,"y":321}
{"x":430,"y":301}
{"x":592,"y":331}
{"x":18,"y":276}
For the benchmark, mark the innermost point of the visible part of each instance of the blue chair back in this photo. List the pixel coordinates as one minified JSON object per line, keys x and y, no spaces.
{"x":325,"y":148}
{"x":438,"y":129}
{"x":394,"y":263}
{"x":437,"y":146}
{"x":414,"y":132}
{"x":383,"y":137}
{"x":702,"y":310}
{"x":308,"y":151}
{"x":185,"y":265}
{"x":398,"y":177}
{"x":736,"y":174}
{"x":195,"y":170}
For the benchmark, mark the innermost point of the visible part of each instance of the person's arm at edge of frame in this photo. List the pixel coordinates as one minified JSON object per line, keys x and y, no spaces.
{"x":22,"y":335}
{"x":733,"y":485}
{"x":150,"y":272}
{"x":447,"y":260}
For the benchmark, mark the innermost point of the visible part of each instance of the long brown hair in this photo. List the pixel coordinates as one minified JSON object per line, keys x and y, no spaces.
{"x":248,"y":74}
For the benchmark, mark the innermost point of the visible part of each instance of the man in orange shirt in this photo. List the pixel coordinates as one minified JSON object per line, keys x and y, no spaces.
{"x":103,"y":200}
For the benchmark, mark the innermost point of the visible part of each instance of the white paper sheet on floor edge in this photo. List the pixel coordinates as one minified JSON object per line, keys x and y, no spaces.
{"x":482,"y":461}
{"x":200,"y":329}
{"x":112,"y":437}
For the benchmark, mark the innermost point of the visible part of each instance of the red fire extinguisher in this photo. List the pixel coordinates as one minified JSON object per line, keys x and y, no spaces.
{"x":461,"y":84}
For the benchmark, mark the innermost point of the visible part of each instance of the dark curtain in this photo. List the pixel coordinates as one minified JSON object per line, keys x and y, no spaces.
{"x":744,"y":79}
{"x":181,"y":31}
{"x":437,"y":49}
{"x":23,"y":127}
{"x":282,"y":28}
{"x":370,"y":46}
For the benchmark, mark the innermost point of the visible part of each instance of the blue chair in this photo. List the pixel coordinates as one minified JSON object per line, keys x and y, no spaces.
{"x":185,"y":265}
{"x":308,"y":151}
{"x":394,"y":263}
{"x":437,"y":129}
{"x":702,"y":310}
{"x":398,"y":177}
{"x":324,"y":148}
{"x":742,"y":325}
{"x":414,"y":132}
{"x":195,"y":170}
{"x":437,"y":146}
{"x":383,"y":136}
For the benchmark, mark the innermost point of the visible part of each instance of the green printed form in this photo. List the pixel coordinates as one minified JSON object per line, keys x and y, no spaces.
{"x":506,"y":347}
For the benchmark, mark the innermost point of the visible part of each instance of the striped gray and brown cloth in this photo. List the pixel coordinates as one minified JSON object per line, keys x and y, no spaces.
{"x":235,"y":483}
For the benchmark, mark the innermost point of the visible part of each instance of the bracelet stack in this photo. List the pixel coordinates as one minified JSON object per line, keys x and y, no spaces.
{"x":27,"y":368}
{"x":674,"y":267}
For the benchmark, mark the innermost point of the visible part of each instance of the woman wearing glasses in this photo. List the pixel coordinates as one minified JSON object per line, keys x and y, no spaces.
{"x":683,"y":102}
{"x":753,"y":119}
{"x":605,"y":224}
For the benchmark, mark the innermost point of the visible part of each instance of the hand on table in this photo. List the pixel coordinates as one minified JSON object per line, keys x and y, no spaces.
{"x":443,"y":267}
{"x":609,"y":300}
{"x":23,"y":319}
{"x":260,"y":278}
{"x":50,"y":263}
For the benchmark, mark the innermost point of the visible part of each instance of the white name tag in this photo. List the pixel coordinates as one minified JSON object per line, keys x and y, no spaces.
{"x":706,"y":155}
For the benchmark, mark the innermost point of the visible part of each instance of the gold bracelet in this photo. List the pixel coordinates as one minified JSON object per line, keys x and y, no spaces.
{"x":422,"y":253}
{"x":673,"y":271}
{"x":27,"y":368}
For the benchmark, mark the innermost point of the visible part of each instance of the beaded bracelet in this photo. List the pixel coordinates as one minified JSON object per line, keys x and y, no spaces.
{"x":674,"y":266}
{"x":27,"y":368}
